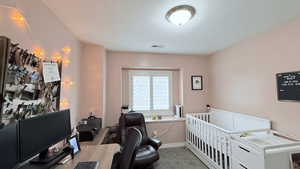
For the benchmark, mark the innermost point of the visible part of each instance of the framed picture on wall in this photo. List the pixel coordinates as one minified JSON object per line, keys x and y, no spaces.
{"x":197,"y":83}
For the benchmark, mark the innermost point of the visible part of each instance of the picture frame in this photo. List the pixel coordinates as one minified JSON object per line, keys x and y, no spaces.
{"x":73,"y":142}
{"x":197,"y":82}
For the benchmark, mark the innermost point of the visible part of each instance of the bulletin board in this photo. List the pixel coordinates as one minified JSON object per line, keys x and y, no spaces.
{"x":25,"y":93}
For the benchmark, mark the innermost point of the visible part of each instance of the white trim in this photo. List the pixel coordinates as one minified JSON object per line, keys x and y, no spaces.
{"x":150,"y":73}
{"x":173,"y":145}
{"x":164,"y":120}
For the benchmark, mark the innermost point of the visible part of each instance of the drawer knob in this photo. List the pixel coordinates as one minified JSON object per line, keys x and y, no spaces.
{"x":244,"y":149}
{"x":243,"y":166}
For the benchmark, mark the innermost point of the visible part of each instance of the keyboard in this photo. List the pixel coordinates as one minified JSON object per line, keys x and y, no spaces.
{"x":87,"y":165}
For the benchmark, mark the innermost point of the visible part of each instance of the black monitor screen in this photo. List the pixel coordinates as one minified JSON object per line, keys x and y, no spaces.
{"x":8,"y":146}
{"x":39,"y":133}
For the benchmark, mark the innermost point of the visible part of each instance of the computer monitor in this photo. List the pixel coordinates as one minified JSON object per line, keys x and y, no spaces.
{"x":9,"y":146}
{"x":37,"y":134}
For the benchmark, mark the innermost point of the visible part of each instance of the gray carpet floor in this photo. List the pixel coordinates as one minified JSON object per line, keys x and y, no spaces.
{"x":178,"y":158}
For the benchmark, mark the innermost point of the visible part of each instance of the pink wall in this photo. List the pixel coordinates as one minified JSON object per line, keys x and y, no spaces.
{"x":92,"y":78}
{"x":193,"y":101}
{"x":242,"y":78}
{"x":168,"y":132}
{"x":44,"y":30}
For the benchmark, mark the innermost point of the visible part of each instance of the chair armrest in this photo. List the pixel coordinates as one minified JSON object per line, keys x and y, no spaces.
{"x":155,"y":143}
{"x":114,"y":164}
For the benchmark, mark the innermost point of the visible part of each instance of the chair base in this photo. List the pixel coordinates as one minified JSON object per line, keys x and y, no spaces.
{"x":149,"y":167}
{"x":145,"y":157}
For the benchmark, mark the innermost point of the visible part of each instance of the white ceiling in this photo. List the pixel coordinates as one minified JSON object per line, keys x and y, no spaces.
{"x":135,"y":25}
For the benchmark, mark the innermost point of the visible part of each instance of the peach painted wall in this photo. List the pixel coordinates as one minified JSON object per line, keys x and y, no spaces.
{"x":44,"y":30}
{"x":193,"y":101}
{"x":242,"y":78}
{"x":92,"y":77}
{"x":168,"y":132}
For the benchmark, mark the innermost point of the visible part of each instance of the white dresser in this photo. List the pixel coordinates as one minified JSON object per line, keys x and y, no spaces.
{"x":262,"y":150}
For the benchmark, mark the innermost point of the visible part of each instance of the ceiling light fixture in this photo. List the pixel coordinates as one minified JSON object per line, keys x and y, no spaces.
{"x":181,"y":14}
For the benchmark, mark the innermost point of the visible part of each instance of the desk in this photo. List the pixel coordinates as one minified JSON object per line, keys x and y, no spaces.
{"x":98,"y":139}
{"x":101,"y":153}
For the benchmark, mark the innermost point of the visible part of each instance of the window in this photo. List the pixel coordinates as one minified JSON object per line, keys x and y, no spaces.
{"x":150,"y":91}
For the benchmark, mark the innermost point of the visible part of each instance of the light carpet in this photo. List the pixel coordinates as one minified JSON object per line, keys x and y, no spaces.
{"x":178,"y":158}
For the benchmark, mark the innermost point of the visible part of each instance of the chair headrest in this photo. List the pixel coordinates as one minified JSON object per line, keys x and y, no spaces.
{"x":134,"y":119}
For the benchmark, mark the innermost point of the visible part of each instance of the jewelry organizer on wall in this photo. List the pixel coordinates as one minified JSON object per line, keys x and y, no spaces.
{"x":24,"y":93}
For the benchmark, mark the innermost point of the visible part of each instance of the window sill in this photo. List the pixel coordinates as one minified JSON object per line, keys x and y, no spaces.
{"x":164,"y":119}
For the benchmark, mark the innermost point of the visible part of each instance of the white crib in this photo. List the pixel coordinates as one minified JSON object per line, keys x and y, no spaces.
{"x":208,"y":134}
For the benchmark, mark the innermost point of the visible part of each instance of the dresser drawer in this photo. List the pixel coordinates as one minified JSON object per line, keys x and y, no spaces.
{"x":247,"y":156}
{"x":239,"y":165}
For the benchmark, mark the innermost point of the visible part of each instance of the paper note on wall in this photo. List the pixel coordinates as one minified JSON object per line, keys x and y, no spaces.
{"x":50,"y":72}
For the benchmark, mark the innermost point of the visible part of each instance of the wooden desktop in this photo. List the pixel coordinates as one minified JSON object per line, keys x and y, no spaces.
{"x":98,"y":140}
{"x":90,"y":151}
{"x":101,"y":153}
{"x":94,"y":151}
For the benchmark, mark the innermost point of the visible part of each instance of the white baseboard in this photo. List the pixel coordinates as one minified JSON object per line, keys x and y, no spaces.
{"x":173,"y":145}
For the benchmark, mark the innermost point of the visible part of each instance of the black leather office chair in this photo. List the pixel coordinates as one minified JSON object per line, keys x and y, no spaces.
{"x":147,"y":153}
{"x":125,"y":159}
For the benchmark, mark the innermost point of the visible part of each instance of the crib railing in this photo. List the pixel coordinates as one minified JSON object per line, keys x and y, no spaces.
{"x":202,"y":116}
{"x":208,"y":141}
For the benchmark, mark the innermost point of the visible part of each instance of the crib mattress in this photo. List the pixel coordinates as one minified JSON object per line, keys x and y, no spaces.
{"x":265,"y":140}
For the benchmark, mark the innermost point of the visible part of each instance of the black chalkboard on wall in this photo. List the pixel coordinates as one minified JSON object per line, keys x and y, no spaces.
{"x":288,"y":86}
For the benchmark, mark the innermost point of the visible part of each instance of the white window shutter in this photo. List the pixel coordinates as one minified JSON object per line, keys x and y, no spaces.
{"x":150,"y":91}
{"x":141,"y":92}
{"x":161,"y":93}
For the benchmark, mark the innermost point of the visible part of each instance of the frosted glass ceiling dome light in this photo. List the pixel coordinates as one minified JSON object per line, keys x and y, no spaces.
{"x":180,"y":15}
